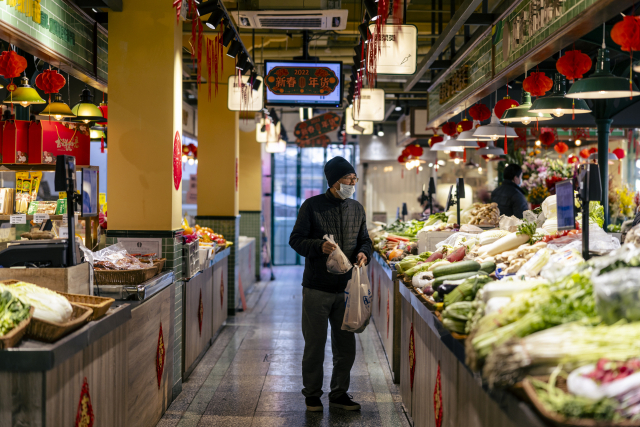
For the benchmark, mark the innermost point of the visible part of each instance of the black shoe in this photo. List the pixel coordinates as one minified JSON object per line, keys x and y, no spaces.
{"x":345,"y":402}
{"x":313,"y":404}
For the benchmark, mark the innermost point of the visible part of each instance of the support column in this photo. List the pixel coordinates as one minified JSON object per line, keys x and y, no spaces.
{"x":251,"y":192}
{"x":604,"y":126}
{"x":218,"y":170}
{"x":145,"y":100}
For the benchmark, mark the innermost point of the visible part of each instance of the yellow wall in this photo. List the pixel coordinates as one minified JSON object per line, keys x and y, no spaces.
{"x":218,"y":149}
{"x":250,"y":172}
{"x":145,"y":100}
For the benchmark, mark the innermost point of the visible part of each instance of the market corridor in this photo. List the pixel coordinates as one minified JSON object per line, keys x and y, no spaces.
{"x":251,"y":375}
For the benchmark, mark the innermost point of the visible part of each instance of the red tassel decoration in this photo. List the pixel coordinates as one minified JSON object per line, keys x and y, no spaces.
{"x":465,"y":156}
{"x":505,"y":140}
{"x":102,"y":144}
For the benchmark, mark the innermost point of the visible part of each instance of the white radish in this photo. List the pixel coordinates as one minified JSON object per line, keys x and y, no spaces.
{"x":506,"y":243}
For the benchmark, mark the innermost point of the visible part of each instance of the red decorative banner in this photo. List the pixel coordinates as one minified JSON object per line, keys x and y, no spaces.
{"x":84,"y":415}
{"x":437,"y":399}
{"x":316,"y":126}
{"x":387,"y":313}
{"x":160,"y":356}
{"x":314,"y":81}
{"x":319,"y":141}
{"x":412,"y":357}
{"x":177,"y":161}
{"x":200,"y":313}
{"x":221,"y":289}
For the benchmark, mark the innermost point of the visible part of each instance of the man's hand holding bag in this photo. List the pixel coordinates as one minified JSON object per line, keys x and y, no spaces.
{"x":357,"y":302}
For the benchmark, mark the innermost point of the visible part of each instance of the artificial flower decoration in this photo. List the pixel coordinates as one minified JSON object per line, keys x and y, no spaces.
{"x":547,"y":138}
{"x":50,"y":81}
{"x":561,"y":148}
{"x":572,"y":159}
{"x":450,"y":128}
{"x":619,"y":152}
{"x":626,"y":33}
{"x":537,"y":84}
{"x":12,"y":64}
{"x":480,"y":112}
{"x":584,"y":153}
{"x":464,"y":125}
{"x":573,"y":64}
{"x":435,"y":139}
{"x":503,"y":105}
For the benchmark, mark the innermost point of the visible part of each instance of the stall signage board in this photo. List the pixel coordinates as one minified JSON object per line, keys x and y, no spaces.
{"x":316,"y":126}
{"x":142,"y":246}
{"x":253,"y":98}
{"x":299,"y":80}
{"x":353,"y":127}
{"x":319,"y":141}
{"x":398,"y":49}
{"x":40,"y":217}
{"x":371,"y":106}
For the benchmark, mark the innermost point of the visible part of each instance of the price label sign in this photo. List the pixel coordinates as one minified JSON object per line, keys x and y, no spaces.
{"x":63,"y":232}
{"x":102,"y":199}
{"x":18,"y":219}
{"x":65,"y":220}
{"x":40,"y":218}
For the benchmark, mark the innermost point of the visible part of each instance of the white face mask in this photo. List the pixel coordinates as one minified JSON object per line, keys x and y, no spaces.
{"x":346,"y":191}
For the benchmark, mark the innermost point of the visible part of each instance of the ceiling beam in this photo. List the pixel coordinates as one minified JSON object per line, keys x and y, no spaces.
{"x":481,"y":19}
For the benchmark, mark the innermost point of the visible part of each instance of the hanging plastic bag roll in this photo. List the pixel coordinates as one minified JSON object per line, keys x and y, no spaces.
{"x":337,"y":262}
{"x":357,"y":295}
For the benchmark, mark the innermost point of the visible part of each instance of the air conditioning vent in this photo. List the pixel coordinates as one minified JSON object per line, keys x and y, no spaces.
{"x":331,"y":19}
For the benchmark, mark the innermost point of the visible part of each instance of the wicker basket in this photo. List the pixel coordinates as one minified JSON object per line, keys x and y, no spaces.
{"x":15,"y":335}
{"x":124,"y":277}
{"x":43,"y":330}
{"x":98,"y":305}
{"x":562,"y":421}
{"x":160,"y":264}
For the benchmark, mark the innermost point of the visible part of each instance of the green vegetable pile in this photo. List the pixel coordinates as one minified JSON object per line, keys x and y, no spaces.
{"x":596,"y":213}
{"x":614,"y":228}
{"x":404,"y":229}
{"x":12,"y":312}
{"x":410,"y":261}
{"x":435,"y":217}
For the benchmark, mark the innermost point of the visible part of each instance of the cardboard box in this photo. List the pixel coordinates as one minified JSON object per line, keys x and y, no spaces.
{"x":15,"y":141}
{"x":72,"y":280}
{"x":50,"y":138}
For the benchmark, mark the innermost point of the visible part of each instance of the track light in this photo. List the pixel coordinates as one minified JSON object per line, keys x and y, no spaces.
{"x":356,"y":60}
{"x":215,"y":19}
{"x":254,"y":79}
{"x":274,"y":116}
{"x":372,"y":8}
{"x":227,"y":36}
{"x":207,"y":7}
{"x":358,"y":49}
{"x":234,"y":48}
{"x":242,"y":61}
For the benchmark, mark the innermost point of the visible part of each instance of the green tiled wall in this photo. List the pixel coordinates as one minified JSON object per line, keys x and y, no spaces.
{"x":250,"y":226}
{"x":229,"y":227}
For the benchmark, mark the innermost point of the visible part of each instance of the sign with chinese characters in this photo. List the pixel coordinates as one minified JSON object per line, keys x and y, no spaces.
{"x":319,"y":141}
{"x":84,"y":414}
{"x":457,"y":81}
{"x":160,"y":356}
{"x":412,"y":357}
{"x":297,"y":80}
{"x":200,"y":313}
{"x":535,"y":16}
{"x":398,"y":50}
{"x":403,"y":131}
{"x":316,"y":126}
{"x":177,"y":160}
{"x":356,"y":128}
{"x":243,"y":97}
{"x":437,"y":399}
{"x":371,"y":106}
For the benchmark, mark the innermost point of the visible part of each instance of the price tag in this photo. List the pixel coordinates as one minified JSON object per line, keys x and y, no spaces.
{"x":102,"y":198}
{"x":63,"y":232}
{"x":40,"y":217}
{"x":18,"y":219}
{"x":65,"y":220}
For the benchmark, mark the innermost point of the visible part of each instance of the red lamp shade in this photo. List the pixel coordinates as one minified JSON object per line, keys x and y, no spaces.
{"x":619,"y":152}
{"x":561,"y":148}
{"x":584,"y":153}
{"x":50,"y":81}
{"x":503,"y":105}
{"x":537,"y":84}
{"x":573,"y":64}
{"x":480,"y":112}
{"x":464,"y":125}
{"x":593,"y":150}
{"x":626,"y":33}
{"x":572,"y":159}
{"x":435,"y":139}
{"x":12,"y":64}
{"x":547,"y":139}
{"x":450,"y":128}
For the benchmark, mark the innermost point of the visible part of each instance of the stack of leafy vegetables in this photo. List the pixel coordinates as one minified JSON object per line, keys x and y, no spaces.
{"x":406,"y":229}
{"x":410,"y":261}
{"x":12,"y":311}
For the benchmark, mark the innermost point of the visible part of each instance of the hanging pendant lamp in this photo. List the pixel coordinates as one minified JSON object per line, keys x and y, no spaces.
{"x":86,"y":111}
{"x":275,"y":147}
{"x":449,"y":144}
{"x":610,"y":157}
{"x":557,"y":104}
{"x":56,"y":109}
{"x":466,"y":138}
{"x":491,"y":150}
{"x":523,"y":114}
{"x":96,"y":134}
{"x":495,"y":130}
{"x":24,"y":95}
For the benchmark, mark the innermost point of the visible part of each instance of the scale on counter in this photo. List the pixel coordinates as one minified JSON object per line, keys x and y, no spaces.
{"x":429,"y":195}
{"x":590,"y":190}
{"x":455,"y":199}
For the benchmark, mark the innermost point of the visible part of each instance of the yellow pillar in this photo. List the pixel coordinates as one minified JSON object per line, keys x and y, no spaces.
{"x":145,"y":100}
{"x":251,"y":192}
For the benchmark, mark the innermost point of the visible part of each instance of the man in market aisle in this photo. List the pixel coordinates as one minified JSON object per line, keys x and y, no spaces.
{"x":509,"y":196}
{"x":323,"y":299}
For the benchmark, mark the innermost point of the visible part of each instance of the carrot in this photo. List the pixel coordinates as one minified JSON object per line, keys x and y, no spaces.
{"x":397,"y":238}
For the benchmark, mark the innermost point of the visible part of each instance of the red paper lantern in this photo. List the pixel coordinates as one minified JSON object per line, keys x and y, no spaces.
{"x":503,"y":105}
{"x":416,"y":150}
{"x":480,"y":112}
{"x":584,"y":153}
{"x":619,"y":152}
{"x":561,"y":148}
{"x":572,"y":159}
{"x":537,"y":84}
{"x":185,"y":150}
{"x":401,"y":159}
{"x":626,"y":33}
{"x":50,"y":81}
{"x":192,"y":147}
{"x":547,"y":139}
{"x":593,"y":150}
{"x":12,"y":64}
{"x":453,"y":155}
{"x":573,"y":64}
{"x":464,"y":125}
{"x":435,"y":139}
{"x":450,"y":128}
{"x":105,"y":112}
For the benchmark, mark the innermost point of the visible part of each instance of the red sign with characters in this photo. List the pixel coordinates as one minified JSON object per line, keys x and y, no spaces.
{"x":49,"y":138}
{"x":412,"y":357}
{"x":177,"y":160}
{"x":84,"y":414}
{"x":160,"y":355}
{"x":437,"y":399}
{"x":316,"y":126}
{"x":296,"y":80}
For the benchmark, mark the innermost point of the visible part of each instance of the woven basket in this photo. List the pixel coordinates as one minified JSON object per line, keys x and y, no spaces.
{"x":98,"y":305}
{"x":562,"y":421}
{"x":43,"y":330}
{"x":15,"y":335}
{"x":125,"y":277}
{"x":160,"y":264}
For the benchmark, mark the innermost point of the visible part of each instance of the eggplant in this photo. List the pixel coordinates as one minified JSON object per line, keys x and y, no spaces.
{"x":444,"y":289}
{"x":428,"y":290}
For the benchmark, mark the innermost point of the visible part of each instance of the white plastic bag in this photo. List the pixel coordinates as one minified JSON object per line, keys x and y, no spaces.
{"x":337,"y":263}
{"x":357,"y":302}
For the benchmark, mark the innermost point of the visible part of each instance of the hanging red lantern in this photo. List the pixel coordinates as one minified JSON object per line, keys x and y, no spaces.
{"x":12,"y":64}
{"x":584,"y":153}
{"x":503,"y":105}
{"x":185,"y":150}
{"x":464,"y":125}
{"x":573,"y":64}
{"x":480,"y":112}
{"x":619,"y":152}
{"x":435,"y":139}
{"x":50,"y":81}
{"x":416,"y":150}
{"x":547,"y":139}
{"x":626,"y":33}
{"x":401,"y":159}
{"x":593,"y":150}
{"x":453,"y":155}
{"x":192,"y":147}
{"x":105,"y":112}
{"x":450,"y":128}
{"x":561,"y":148}
{"x":572,"y":159}
{"x":537,"y":84}
{"x":481,"y":144}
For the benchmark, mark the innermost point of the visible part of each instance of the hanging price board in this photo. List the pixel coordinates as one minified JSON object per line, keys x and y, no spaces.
{"x":371,"y":106}
{"x":243,"y":97}
{"x":316,"y":126}
{"x":356,"y":128}
{"x":40,"y":217}
{"x":300,"y":80}
{"x":398,"y":50}
{"x":18,"y":219}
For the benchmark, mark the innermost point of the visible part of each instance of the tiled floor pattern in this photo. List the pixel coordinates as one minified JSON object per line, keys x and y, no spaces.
{"x":251,"y":375}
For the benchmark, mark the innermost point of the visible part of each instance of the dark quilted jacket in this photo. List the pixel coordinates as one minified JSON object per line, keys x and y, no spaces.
{"x":510,"y":199}
{"x":346,"y":221}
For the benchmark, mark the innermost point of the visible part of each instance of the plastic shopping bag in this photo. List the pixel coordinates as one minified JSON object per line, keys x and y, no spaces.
{"x":337,"y":263}
{"x":357,"y":302}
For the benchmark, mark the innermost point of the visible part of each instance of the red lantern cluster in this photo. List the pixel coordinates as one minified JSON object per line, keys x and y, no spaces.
{"x":573,"y":64}
{"x":619,"y":152}
{"x":50,"y":81}
{"x":572,"y":159}
{"x":561,"y":148}
{"x":503,"y":105}
{"x":593,"y":150}
{"x":435,"y":139}
{"x":584,"y":153}
{"x":453,"y":155}
{"x":464,"y":126}
{"x":480,"y":112}
{"x":450,"y":128}
{"x":191,"y":148}
{"x":547,"y":139}
{"x":537,"y":84}
{"x":411,"y":152}
{"x":626,"y":33}
{"x":12,"y":64}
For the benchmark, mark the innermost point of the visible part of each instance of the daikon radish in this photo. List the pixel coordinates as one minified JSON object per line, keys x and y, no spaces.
{"x":506,"y":243}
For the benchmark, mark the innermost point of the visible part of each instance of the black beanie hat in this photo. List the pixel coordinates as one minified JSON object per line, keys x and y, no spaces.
{"x":336,"y":168}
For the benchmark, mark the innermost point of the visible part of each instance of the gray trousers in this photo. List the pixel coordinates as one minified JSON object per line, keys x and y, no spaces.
{"x":317,"y":308}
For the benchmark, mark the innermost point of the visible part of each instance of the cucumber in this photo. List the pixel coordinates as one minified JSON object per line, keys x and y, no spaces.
{"x":456,"y":267}
{"x":488,"y":267}
{"x":458,"y":276}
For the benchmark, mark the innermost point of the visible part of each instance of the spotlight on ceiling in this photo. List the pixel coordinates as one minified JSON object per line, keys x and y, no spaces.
{"x":234,"y":48}
{"x":372,"y":8}
{"x":256,"y":82}
{"x":215,"y":19}
{"x":206,"y":8}
{"x":242,"y":61}
{"x":227,"y":36}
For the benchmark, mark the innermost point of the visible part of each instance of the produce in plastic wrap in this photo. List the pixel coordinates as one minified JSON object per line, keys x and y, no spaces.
{"x":48,"y":305}
{"x":488,"y":237}
{"x":509,"y":223}
{"x":562,"y":264}
{"x":337,"y":262}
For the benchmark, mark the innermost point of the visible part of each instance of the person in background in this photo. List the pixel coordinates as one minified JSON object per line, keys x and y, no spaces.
{"x":509,"y":196}
{"x":323,"y":299}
